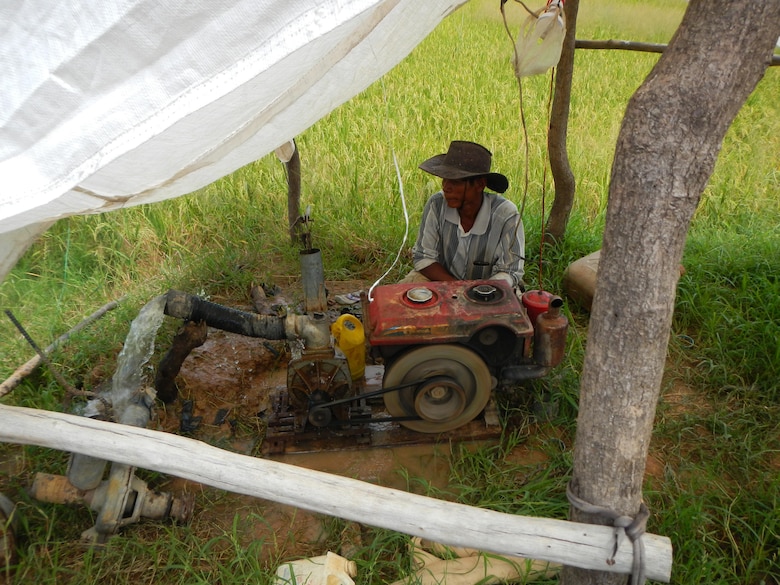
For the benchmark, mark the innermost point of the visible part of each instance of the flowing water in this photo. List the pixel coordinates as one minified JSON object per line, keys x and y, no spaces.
{"x":133,"y":368}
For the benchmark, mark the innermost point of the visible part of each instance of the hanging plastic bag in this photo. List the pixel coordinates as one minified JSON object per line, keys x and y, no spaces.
{"x":538,"y":48}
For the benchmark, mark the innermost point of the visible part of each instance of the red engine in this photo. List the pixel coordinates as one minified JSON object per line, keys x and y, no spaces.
{"x":446,"y":345}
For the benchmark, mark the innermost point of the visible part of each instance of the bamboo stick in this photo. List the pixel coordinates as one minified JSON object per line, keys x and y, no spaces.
{"x":29,"y":367}
{"x":581,"y":545}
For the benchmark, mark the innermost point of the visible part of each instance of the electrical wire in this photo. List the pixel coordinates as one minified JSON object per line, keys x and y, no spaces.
{"x":400,"y":190}
{"x":525,"y":134}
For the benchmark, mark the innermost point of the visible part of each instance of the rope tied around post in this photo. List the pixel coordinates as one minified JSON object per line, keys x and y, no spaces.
{"x":633,"y":528}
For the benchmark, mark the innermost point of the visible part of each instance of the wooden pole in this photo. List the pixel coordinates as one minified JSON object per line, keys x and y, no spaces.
{"x":637,"y":46}
{"x":580,"y":545}
{"x":29,"y":367}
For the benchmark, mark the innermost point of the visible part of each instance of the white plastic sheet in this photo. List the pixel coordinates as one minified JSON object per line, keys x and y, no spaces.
{"x":111,"y":103}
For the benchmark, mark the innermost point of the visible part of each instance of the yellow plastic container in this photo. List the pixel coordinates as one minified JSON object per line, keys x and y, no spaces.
{"x":350,"y":338}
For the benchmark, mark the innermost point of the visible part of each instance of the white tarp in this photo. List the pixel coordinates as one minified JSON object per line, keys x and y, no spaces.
{"x":111,"y":103}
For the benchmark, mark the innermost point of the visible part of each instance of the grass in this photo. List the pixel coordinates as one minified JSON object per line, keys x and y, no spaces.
{"x":713,"y":483}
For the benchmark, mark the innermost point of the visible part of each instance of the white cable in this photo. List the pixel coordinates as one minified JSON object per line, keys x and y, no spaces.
{"x":403,"y":199}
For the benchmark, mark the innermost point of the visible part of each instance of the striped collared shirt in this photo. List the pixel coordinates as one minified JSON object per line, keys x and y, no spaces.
{"x":496,"y":242}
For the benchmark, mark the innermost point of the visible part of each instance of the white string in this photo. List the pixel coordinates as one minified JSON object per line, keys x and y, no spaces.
{"x":401,"y":192}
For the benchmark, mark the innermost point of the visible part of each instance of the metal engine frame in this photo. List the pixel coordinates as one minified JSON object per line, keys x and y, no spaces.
{"x":477,"y":334}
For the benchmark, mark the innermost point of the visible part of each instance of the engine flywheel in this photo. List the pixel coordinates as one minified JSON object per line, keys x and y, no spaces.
{"x":455,"y":387}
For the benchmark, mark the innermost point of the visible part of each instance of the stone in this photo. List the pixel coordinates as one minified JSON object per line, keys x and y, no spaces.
{"x":579,"y":279}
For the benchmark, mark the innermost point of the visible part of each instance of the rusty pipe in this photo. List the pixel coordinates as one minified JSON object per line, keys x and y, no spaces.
{"x":523,"y":372}
{"x":313,"y":281}
{"x":550,"y":332}
{"x":120,"y":500}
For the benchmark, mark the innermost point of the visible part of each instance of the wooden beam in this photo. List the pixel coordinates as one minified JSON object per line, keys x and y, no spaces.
{"x":581,"y":545}
{"x":637,"y":46}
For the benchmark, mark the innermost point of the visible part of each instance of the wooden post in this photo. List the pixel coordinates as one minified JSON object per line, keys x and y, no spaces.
{"x":580,"y":545}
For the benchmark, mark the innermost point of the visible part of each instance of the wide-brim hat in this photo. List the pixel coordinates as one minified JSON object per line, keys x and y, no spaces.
{"x":464,"y":160}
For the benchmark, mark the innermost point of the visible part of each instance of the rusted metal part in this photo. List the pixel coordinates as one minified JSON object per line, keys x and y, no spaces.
{"x":372,"y":427}
{"x":120,"y":500}
{"x":287,"y":429}
{"x":550,"y":337}
{"x":485,"y":316}
{"x":319,"y":380}
{"x":444,"y":312}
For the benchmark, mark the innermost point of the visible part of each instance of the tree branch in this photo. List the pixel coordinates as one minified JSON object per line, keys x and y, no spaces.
{"x":637,"y":46}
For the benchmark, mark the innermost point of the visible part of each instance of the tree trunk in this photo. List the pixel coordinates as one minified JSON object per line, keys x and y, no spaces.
{"x":559,"y":125}
{"x":667,"y":148}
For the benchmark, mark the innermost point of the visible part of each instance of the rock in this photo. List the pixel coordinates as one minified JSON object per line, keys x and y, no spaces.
{"x":579,"y":279}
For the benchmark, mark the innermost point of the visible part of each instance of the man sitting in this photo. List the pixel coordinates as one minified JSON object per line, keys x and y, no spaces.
{"x":466,"y":232}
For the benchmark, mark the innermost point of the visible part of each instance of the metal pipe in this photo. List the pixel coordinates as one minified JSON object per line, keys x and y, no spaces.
{"x":523,"y":372}
{"x":314,"y":329}
{"x":550,"y":335}
{"x":313,"y":281}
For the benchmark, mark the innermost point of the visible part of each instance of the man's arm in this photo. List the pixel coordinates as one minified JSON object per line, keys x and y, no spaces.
{"x":436,"y":271}
{"x":425,"y":254}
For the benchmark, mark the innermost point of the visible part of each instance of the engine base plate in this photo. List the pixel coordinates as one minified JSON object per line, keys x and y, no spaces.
{"x":286,"y":435}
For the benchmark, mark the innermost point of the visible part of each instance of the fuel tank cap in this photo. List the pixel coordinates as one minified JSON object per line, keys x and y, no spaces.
{"x":484,"y":293}
{"x":419,"y":294}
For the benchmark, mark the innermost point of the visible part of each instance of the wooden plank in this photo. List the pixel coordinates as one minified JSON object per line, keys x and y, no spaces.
{"x":581,"y":545}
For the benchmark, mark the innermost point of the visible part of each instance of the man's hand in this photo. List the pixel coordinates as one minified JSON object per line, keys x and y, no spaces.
{"x":436,"y":271}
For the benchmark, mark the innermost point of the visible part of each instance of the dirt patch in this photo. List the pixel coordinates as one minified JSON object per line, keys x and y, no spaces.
{"x":224,"y":386}
{"x":677,"y":401}
{"x":680,"y":399}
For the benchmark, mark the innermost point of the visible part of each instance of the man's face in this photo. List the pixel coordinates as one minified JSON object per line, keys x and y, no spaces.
{"x":460,"y":192}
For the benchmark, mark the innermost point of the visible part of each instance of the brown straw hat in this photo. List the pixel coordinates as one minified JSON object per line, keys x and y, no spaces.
{"x":464,"y":160}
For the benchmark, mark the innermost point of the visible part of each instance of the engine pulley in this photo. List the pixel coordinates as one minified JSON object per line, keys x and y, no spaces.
{"x":455,"y":387}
